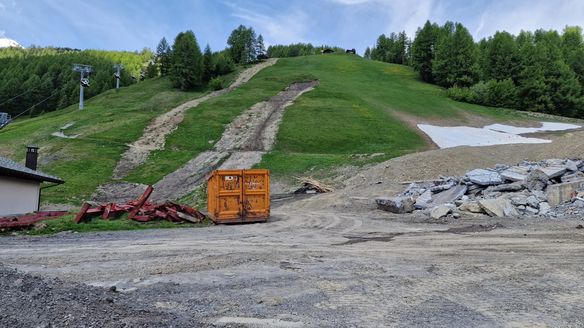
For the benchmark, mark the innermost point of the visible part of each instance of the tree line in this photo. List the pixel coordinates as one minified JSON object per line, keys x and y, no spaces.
{"x":540,"y":71}
{"x":299,"y":49}
{"x":190,"y":68}
{"x":42,"y":78}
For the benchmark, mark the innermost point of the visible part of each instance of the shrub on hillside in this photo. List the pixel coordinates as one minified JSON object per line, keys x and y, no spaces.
{"x":216,"y":83}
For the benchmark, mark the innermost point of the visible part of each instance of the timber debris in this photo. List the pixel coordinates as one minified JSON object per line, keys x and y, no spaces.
{"x":310,"y":185}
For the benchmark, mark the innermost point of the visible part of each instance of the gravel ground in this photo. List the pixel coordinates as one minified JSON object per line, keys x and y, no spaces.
{"x":306,"y":269}
{"x":31,"y":301}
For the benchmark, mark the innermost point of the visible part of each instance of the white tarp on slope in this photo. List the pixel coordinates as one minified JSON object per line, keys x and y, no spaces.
{"x":454,"y":136}
{"x":545,"y":126}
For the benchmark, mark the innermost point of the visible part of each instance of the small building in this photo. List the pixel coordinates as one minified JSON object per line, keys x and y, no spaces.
{"x":20,"y":185}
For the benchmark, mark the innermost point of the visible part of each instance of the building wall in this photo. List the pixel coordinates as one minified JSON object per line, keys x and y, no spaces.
{"x":18,"y":196}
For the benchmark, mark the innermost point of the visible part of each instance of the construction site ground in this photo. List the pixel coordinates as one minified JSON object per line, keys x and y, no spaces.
{"x":329,"y":260}
{"x":303,"y":269}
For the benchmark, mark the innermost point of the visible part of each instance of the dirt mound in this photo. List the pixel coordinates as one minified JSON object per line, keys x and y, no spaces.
{"x":154,"y":136}
{"x":31,"y":301}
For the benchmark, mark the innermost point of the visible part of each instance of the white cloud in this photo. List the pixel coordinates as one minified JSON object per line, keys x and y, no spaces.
{"x":290,"y":27}
{"x":530,"y":15}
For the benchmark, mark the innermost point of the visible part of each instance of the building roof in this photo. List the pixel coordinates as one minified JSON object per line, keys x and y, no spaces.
{"x":11,"y":168}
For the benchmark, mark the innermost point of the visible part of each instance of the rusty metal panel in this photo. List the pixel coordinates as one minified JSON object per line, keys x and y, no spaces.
{"x":235,"y":196}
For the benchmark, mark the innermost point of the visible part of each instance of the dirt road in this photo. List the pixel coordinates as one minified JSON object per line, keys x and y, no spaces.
{"x":321,"y":269}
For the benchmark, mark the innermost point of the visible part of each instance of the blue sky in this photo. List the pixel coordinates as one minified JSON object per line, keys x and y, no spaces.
{"x":135,"y":24}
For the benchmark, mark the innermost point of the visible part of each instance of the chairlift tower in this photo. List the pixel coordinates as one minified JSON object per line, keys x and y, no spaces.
{"x":118,"y":74}
{"x":84,"y":71}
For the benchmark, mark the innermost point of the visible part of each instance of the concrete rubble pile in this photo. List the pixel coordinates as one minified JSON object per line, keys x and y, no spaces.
{"x":552,"y":188}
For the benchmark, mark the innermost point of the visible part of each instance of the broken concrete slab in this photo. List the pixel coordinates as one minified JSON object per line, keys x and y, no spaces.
{"x":440,"y":211}
{"x":536,"y":180}
{"x":554,"y":171}
{"x":544,"y":208}
{"x":508,"y":187}
{"x":399,"y":205}
{"x":561,"y":192}
{"x":473,"y":207}
{"x":515,"y":173}
{"x":449,"y":196}
{"x":484,"y":177}
{"x":423,"y":200}
{"x":498,"y":207}
{"x":572,"y":177}
{"x":519,"y":200}
{"x":533,"y":201}
{"x":571,"y":165}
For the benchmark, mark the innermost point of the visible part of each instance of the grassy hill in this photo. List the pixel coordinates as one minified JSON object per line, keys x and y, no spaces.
{"x":357,"y":109}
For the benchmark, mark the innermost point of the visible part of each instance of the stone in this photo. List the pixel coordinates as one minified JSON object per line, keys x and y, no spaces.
{"x":544,"y":208}
{"x":579,"y":203}
{"x":521,"y":207}
{"x":515,"y":173}
{"x":509,"y":187}
{"x":473,"y":207}
{"x":449,"y":196}
{"x":536,"y":180}
{"x":498,"y":207}
{"x":554,"y":171}
{"x":561,"y":192}
{"x":519,"y":200}
{"x":423,"y":200}
{"x":531,"y":210}
{"x":540,"y":195}
{"x":484,"y":177}
{"x":456,"y":215}
{"x":443,"y":187}
{"x":533,"y":201}
{"x":440,"y":211}
{"x":571,"y":165}
{"x":399,"y":204}
{"x":572,"y":177}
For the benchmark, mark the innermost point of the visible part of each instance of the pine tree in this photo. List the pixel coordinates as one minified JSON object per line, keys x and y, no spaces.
{"x":455,"y":62}
{"x":260,"y":46}
{"x":423,"y":48}
{"x":242,"y":45}
{"x":163,"y":54}
{"x":208,"y":64}
{"x":367,"y":54}
{"x":502,"y":58}
{"x":186,"y":71}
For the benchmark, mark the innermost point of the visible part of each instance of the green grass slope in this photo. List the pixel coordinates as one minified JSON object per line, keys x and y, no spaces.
{"x":108,"y":122}
{"x":352,"y":111}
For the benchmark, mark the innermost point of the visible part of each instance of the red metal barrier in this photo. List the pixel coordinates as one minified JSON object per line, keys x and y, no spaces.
{"x":142,"y":211}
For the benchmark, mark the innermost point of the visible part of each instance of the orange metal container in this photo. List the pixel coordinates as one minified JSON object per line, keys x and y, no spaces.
{"x":239,"y":196}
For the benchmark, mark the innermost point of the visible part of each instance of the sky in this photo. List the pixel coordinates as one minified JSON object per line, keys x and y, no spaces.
{"x":135,"y":24}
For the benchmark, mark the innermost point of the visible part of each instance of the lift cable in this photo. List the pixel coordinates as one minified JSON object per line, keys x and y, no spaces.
{"x":22,"y":94}
{"x":40,"y":102}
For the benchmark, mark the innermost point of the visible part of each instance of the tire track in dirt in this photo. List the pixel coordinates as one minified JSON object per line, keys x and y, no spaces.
{"x":154,"y":136}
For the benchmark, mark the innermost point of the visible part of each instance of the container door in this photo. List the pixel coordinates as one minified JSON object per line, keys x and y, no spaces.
{"x":229,"y":200}
{"x":256,"y":191}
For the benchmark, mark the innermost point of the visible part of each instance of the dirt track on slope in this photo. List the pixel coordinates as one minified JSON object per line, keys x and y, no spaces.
{"x":326,"y":269}
{"x":155,"y":133}
{"x":241,"y":146}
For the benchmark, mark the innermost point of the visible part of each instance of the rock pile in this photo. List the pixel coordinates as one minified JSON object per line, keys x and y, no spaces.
{"x":550,"y":188}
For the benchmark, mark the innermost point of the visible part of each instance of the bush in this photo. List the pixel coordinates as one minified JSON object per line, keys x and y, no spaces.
{"x":463,"y":94}
{"x":501,"y":93}
{"x":216,"y":83}
{"x":223,"y":64}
